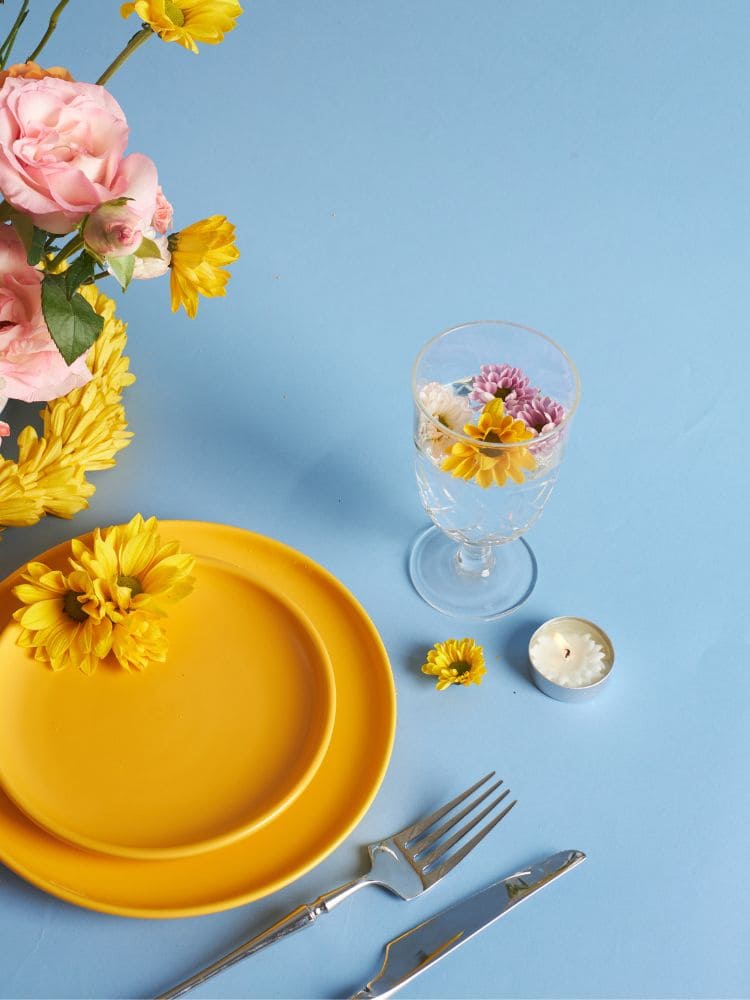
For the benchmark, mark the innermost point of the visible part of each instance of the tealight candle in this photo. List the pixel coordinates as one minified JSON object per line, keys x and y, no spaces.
{"x":570,"y":658}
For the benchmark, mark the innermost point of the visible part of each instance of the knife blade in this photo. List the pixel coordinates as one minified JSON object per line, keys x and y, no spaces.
{"x":419,"y":948}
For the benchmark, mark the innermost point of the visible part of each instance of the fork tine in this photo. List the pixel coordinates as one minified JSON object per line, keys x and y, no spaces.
{"x":446,"y":845}
{"x":437,"y":873}
{"x":411,"y":833}
{"x":432,"y":836}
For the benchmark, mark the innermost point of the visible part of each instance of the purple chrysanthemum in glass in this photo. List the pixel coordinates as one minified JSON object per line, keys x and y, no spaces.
{"x":540,"y":414}
{"x":500,"y":382}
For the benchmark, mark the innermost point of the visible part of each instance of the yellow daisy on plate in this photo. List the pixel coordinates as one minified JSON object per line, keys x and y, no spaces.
{"x":138,"y":641}
{"x":186,"y":21}
{"x":488,"y":466}
{"x":61,"y":620}
{"x":455,"y":661}
{"x":200,"y":254}
{"x":132,"y":571}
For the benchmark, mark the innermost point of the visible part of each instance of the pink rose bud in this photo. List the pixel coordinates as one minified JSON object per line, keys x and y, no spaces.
{"x":4,"y":429}
{"x":113,"y":231}
{"x":162,"y":219}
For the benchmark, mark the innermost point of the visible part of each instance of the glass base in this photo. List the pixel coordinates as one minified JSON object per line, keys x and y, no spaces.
{"x":477,"y":582}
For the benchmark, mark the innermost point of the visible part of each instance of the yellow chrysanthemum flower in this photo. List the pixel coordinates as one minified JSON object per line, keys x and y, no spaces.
{"x":47,"y":472}
{"x":138,"y":641}
{"x":108,"y":602}
{"x":199,"y":255}
{"x":16,"y":508}
{"x":82,"y":432}
{"x":491,"y":465}
{"x":133,"y":571}
{"x":455,"y":661}
{"x":187,"y":21}
{"x":60,"y":618}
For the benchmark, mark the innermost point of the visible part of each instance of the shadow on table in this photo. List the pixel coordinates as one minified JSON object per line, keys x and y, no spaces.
{"x":515,"y":651}
{"x":350,"y":492}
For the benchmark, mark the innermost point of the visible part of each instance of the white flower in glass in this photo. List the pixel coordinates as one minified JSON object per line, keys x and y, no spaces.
{"x":448,"y":409}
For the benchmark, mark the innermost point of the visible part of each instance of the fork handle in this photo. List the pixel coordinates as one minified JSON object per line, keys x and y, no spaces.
{"x":303,"y":916}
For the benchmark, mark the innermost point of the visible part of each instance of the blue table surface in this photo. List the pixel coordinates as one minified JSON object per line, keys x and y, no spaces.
{"x":394,"y":169}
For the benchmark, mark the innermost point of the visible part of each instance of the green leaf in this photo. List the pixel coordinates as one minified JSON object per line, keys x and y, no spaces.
{"x":148,"y":249}
{"x":122,"y":268}
{"x":35,"y":251}
{"x":72,"y":323}
{"x":79,"y":271}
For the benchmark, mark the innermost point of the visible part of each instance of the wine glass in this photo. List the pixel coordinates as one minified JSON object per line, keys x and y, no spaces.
{"x":493,"y":403}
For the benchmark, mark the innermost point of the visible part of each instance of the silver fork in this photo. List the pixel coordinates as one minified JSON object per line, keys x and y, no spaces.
{"x":407,"y":864}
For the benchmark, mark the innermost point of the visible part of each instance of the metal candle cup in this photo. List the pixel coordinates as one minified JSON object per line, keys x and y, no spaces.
{"x":574,"y":626}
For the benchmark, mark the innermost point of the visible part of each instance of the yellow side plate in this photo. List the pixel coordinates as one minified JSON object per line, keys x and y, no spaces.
{"x":302,"y":834}
{"x":188,"y":755}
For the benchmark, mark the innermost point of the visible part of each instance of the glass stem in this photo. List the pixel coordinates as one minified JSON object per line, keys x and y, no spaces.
{"x":475,"y":560}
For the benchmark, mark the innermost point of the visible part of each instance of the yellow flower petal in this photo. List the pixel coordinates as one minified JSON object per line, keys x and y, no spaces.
{"x":41,"y":614}
{"x":490,"y":465}
{"x":199,"y":254}
{"x":187,"y":21}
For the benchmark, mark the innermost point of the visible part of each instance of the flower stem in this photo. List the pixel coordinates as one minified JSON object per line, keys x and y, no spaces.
{"x":70,"y":248}
{"x":137,"y":40}
{"x":7,"y":46}
{"x":54,"y":16}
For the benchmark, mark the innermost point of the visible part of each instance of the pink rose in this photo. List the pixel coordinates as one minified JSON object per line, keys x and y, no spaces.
{"x":162,"y":219}
{"x":4,"y":429}
{"x":113,"y":231}
{"x":62,"y":147}
{"x":31,"y":367}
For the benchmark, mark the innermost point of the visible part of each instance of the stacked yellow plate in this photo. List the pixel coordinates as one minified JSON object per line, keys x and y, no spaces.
{"x":215,"y":778}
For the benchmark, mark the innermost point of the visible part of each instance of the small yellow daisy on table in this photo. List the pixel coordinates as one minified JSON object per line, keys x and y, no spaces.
{"x":455,"y":661}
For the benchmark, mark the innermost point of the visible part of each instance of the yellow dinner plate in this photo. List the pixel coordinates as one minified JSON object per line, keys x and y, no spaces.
{"x":190,"y":754}
{"x":302,"y":834}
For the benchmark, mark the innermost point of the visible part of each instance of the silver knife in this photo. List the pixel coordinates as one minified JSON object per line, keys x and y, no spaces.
{"x":418,"y":949}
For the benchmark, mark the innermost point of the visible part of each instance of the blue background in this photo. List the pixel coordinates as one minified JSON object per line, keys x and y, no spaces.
{"x":394,"y":169}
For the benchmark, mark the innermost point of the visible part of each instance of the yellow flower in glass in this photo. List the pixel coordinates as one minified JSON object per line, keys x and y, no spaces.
{"x":199,"y":255}
{"x":61,"y":619}
{"x":133,"y":571}
{"x":455,"y":661}
{"x":187,"y":21}
{"x":491,"y":465}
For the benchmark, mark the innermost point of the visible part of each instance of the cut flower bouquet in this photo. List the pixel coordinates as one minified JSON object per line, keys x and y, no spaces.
{"x":78,"y":208}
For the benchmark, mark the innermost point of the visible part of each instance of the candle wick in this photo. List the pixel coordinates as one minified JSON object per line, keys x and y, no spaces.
{"x":566,"y":653}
